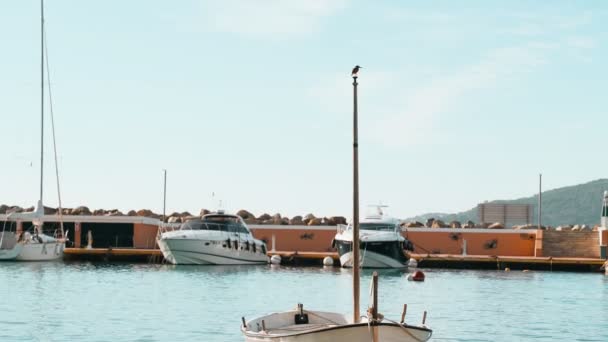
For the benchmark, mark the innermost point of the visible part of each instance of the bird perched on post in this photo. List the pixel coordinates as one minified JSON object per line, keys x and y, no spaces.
{"x":355,"y":71}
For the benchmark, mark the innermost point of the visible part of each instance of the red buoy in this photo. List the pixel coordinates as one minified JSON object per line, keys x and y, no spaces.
{"x":417,"y":276}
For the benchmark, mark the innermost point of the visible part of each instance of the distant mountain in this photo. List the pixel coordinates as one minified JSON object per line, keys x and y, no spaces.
{"x":577,"y":204}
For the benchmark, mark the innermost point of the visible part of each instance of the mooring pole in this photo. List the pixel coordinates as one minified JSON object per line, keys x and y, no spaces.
{"x":356,"y":315}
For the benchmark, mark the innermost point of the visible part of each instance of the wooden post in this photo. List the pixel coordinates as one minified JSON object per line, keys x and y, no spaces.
{"x":244,"y":323}
{"x":355,"y":246}
{"x":424,"y":318}
{"x":403,"y":313}
{"x":375,"y":336}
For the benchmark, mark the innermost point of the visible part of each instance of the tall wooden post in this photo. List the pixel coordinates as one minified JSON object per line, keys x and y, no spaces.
{"x":355,"y":246}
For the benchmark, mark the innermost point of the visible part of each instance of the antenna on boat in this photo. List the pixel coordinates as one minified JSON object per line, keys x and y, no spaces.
{"x":164,"y":194}
{"x":356,"y":315}
{"x":540,"y":199}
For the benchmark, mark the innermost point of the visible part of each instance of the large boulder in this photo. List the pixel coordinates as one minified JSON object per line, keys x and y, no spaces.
{"x":99,"y":212}
{"x":3,"y":208}
{"x":264,"y":217}
{"x":414,"y":224}
{"x":132,"y":213}
{"x":455,"y":224}
{"x":315,"y":222}
{"x":497,"y":225}
{"x":174,"y":219}
{"x":469,"y":224}
{"x":251,"y":220}
{"x":429,"y":222}
{"x":296,"y":221}
{"x":14,"y":209}
{"x":308,"y":218}
{"x":50,"y":211}
{"x":114,"y":212}
{"x":277,"y":219}
{"x":29,"y":209}
{"x":336,"y":220}
{"x":244,"y":214}
{"x":204,"y":212}
{"x":284,"y":221}
{"x":82,"y":210}
{"x":439,"y":224}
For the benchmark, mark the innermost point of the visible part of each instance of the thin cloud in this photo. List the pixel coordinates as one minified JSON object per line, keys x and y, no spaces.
{"x":417,"y":118}
{"x":269,"y":19}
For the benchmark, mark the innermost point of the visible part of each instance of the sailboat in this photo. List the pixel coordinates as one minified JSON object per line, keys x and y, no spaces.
{"x":301,"y":325}
{"x":36,"y":245}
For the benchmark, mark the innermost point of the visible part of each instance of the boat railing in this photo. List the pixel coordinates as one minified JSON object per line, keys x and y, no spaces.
{"x":228,"y":228}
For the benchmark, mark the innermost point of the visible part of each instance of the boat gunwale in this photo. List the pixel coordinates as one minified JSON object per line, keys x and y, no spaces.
{"x":332,"y":327}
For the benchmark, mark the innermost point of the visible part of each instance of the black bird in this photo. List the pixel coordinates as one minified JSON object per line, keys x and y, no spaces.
{"x":355,"y":70}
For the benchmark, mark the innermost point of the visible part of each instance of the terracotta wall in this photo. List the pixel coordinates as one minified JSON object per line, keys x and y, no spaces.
{"x":144,"y":235}
{"x":440,"y":241}
{"x":504,"y":244}
{"x":297,"y":239}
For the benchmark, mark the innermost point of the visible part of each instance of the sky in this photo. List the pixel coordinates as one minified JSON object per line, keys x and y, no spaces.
{"x":249,"y":103}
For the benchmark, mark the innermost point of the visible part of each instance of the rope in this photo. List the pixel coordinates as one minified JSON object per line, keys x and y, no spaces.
{"x":406,"y":330}
{"x":48,"y":73}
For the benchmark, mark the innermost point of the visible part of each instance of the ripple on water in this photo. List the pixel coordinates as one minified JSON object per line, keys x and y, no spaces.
{"x":126,"y":302}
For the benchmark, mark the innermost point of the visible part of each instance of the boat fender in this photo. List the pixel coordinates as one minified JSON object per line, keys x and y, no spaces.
{"x":247,"y":245}
{"x":412,"y":263}
{"x":255,"y":247}
{"x":275,"y":259}
{"x":229,"y":243}
{"x":328,"y":261}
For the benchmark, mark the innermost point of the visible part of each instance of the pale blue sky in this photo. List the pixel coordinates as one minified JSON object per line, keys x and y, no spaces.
{"x":460,"y":102}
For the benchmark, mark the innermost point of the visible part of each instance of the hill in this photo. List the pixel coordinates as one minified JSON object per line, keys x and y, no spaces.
{"x":577,"y":204}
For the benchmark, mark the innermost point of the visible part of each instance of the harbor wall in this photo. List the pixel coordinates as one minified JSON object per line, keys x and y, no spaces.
{"x":296,"y":238}
{"x":504,"y":242}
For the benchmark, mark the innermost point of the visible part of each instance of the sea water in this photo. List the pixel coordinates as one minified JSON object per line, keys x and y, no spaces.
{"x":134,"y":302}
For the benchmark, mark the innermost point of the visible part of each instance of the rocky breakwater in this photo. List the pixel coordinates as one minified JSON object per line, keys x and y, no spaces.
{"x":435,"y":223}
{"x":179,"y":217}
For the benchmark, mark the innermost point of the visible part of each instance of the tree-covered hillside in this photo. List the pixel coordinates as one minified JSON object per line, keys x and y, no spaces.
{"x":577,"y":204}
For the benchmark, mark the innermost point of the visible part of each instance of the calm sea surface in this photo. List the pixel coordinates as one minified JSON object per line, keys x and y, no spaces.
{"x":125,"y":302}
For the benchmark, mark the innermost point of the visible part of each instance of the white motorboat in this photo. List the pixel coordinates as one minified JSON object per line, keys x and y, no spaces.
{"x":307,"y":326}
{"x":327,"y":327}
{"x":215,"y":239}
{"x":381,"y":242}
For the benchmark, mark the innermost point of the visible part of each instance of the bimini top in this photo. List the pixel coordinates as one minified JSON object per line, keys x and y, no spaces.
{"x":218,"y":222}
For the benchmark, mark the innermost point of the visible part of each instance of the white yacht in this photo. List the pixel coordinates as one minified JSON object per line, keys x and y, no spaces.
{"x":381,"y":242}
{"x":215,"y":239}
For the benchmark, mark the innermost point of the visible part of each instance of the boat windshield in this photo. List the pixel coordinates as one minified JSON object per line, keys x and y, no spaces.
{"x":220,"y":223}
{"x":377,"y":226}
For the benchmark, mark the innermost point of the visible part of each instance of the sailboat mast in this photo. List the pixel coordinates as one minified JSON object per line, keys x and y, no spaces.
{"x":355,"y":205}
{"x":41,"y":96}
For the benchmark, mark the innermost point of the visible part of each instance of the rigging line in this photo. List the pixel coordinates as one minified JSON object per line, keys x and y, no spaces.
{"x":48,"y":77}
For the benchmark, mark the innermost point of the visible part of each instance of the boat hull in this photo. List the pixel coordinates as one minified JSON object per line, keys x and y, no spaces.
{"x":361,"y":332}
{"x":196,"y":252}
{"x":46,"y":251}
{"x":11,"y":254}
{"x":371,"y":260}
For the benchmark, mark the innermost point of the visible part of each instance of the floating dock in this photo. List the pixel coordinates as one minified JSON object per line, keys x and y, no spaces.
{"x":316,"y":258}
